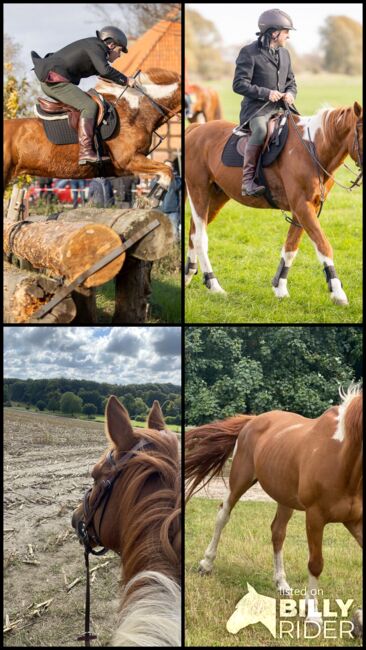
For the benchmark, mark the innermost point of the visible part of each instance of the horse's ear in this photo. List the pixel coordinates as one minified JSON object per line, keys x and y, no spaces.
{"x":357,"y":109}
{"x":118,"y":425}
{"x":250,"y":589}
{"x":156,"y":418}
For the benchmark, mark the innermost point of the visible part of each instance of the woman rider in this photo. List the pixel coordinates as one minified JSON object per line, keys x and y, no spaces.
{"x":60,"y":73}
{"x":264,"y":76}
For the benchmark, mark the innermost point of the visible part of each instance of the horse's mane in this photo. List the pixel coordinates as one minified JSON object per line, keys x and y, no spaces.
{"x":151,"y":525}
{"x":336,"y":120}
{"x":161,"y":76}
{"x":351,"y":411}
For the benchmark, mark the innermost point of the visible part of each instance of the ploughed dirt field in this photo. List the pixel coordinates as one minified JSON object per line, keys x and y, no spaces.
{"x":218,"y":489}
{"x":47,"y":464}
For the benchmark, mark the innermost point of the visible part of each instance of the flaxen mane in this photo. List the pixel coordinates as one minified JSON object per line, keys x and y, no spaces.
{"x":161,"y":76}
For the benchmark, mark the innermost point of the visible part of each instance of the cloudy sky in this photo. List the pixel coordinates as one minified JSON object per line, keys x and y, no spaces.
{"x":237,"y":22}
{"x":121,"y":355}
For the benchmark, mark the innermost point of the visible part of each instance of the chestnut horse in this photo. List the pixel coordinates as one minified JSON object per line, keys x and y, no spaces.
{"x":205,"y":104}
{"x":314,"y":465}
{"x":27,"y":149}
{"x":134,"y":509}
{"x":295,"y":179}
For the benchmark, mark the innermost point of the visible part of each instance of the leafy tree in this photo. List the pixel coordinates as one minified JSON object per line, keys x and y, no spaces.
{"x":89,"y":409}
{"x":71,"y":403}
{"x":18,"y":391}
{"x":342,"y":45}
{"x":258,"y":369}
{"x":41,"y":405}
{"x":53,"y":404}
{"x":140,"y":407}
{"x":6,"y":393}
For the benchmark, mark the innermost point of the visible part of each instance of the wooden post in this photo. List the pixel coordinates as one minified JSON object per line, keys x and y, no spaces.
{"x":133,"y":290}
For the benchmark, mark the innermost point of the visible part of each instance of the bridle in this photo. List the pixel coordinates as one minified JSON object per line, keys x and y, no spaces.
{"x":166,"y":112}
{"x":85,"y":537}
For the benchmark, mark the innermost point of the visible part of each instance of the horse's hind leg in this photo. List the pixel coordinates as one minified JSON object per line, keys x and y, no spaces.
{"x":199,"y":199}
{"x":288,"y":254}
{"x":278,"y":527}
{"x":242,"y":477}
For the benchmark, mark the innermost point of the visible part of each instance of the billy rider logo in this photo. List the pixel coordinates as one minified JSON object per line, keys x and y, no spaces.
{"x":292,"y":618}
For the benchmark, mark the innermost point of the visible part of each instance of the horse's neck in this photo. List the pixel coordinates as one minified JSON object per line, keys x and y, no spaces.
{"x":351,"y":463}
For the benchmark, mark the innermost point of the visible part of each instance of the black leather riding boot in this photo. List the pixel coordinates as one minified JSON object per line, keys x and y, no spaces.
{"x":251,"y":155}
{"x":86,"y":137}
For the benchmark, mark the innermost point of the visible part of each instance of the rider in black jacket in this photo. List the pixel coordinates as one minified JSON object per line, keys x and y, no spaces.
{"x":263,"y":74}
{"x":60,"y":73}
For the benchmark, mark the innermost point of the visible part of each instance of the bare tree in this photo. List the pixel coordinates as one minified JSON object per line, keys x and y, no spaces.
{"x":136,"y":18}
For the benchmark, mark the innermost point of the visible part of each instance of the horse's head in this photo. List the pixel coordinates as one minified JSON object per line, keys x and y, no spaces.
{"x":125,"y":497}
{"x":355,"y":139}
{"x":253,"y":608}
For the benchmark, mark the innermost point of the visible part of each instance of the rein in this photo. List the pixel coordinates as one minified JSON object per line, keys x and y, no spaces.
{"x":163,"y":110}
{"x":89,"y":513}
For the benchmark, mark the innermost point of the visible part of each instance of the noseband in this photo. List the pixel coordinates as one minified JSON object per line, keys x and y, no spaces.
{"x":86,"y":537}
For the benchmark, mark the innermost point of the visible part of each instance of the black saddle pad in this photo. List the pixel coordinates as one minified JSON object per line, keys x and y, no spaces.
{"x":231,"y":158}
{"x":58,"y":130}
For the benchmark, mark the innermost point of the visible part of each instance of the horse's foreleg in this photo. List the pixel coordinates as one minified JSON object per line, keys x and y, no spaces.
{"x":199,"y":203}
{"x":314,"y":531}
{"x":306,"y":214}
{"x":288,"y":254}
{"x":278,"y":527}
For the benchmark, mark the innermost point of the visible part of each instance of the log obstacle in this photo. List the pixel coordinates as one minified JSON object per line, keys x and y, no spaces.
{"x":66,"y":244}
{"x":25,"y":292}
{"x":65,"y":249}
{"x":125,"y":223}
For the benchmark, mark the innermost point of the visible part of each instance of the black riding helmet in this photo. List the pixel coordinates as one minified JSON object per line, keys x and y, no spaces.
{"x":116,"y":35}
{"x":274,"y":19}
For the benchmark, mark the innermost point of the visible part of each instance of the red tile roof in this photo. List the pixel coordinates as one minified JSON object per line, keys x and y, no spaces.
{"x":159,"y":47}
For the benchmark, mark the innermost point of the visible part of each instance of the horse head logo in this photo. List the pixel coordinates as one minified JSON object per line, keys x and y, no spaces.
{"x":253,"y":608}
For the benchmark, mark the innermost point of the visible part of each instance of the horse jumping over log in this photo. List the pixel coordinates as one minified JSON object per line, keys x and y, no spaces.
{"x":298,"y":182}
{"x":313,"y":465}
{"x":133,"y":509}
{"x":27,"y":149}
{"x":205,"y":104}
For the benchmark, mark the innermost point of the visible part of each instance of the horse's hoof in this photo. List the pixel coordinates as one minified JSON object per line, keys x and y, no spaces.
{"x":357,"y":624}
{"x":188,"y":279}
{"x":203,"y":570}
{"x":280,"y":292}
{"x":315,"y":618}
{"x":284,"y":589}
{"x":339,"y":300}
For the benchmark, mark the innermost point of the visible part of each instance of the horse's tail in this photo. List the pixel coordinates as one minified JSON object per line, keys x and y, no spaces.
{"x":208,"y":447}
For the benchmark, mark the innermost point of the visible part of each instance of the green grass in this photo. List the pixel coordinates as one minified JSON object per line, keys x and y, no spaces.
{"x":245,"y":555}
{"x":245,"y":245}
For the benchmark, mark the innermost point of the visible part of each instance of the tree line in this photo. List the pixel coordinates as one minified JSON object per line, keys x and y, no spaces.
{"x":71,"y":396}
{"x":257,"y":369}
{"x":340,"y":49}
